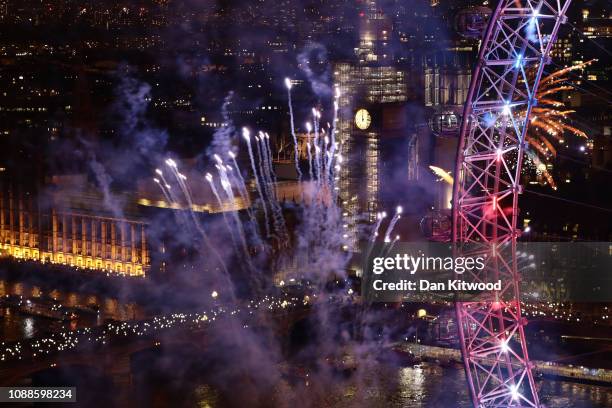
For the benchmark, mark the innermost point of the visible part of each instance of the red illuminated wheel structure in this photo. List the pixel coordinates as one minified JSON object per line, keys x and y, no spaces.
{"x":518,"y":39}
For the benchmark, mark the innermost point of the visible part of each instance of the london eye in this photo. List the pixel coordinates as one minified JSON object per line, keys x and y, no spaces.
{"x":519,"y":37}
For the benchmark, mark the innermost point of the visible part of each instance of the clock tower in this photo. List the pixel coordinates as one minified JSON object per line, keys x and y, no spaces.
{"x":363,"y":119}
{"x":371,"y":121}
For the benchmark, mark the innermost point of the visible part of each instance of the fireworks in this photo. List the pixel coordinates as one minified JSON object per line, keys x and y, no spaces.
{"x":547,"y":126}
{"x":288,"y":84}
{"x":444,"y":175}
{"x":394,"y":221}
{"x":320,"y":241}
{"x":548,"y":121}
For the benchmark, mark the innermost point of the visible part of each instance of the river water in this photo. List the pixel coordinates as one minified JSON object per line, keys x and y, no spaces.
{"x":425,"y":385}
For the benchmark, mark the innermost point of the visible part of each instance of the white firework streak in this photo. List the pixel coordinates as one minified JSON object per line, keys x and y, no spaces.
{"x":295,"y":141}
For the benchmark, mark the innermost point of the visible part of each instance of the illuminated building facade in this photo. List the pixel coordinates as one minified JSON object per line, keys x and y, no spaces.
{"x":71,"y":238}
{"x":79,"y":227}
{"x":372,"y":94}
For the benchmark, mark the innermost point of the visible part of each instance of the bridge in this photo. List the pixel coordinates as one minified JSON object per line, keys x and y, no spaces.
{"x":108,"y":349}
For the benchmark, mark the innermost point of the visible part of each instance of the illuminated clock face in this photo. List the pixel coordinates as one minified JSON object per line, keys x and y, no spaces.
{"x":363,"y":119}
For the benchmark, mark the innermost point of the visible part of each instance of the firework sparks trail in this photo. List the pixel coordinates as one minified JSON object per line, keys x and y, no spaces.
{"x":320,"y":244}
{"x":443,"y":174}
{"x":269,"y":158}
{"x":541,"y":167}
{"x":180,"y":178}
{"x":336,"y":177}
{"x":379,"y":219}
{"x":308,"y":130}
{"x":265,"y":180}
{"x":322,"y":220}
{"x":273,"y":180}
{"x":332,"y":152}
{"x":318,"y":162}
{"x":247,"y":137}
{"x":167,"y":192}
{"x":267,"y":198}
{"x":391,"y":246}
{"x":237,"y":224}
{"x":266,"y":165}
{"x":210,"y":179}
{"x":292,"y":124}
{"x":163,"y":190}
{"x":324,"y":160}
{"x":394,"y":220}
{"x":309,"y":160}
{"x":222,"y":169}
{"x":321,"y":235}
{"x":316,"y":115}
{"x":262,"y":164}
{"x":172,"y":199}
{"x":162,"y":185}
{"x":549,"y":120}
{"x":397,"y":238}
{"x":322,"y":151}
{"x":252,"y":226}
{"x":226,"y":184}
{"x":242,"y":190}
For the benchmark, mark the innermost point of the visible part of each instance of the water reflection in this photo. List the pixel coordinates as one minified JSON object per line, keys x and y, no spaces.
{"x":28,"y":327}
{"x":110,"y":308}
{"x":421,"y":386}
{"x":561,"y":394}
{"x":15,"y":326}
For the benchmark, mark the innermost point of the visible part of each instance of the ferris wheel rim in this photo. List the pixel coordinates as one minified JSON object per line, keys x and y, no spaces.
{"x":497,"y":188}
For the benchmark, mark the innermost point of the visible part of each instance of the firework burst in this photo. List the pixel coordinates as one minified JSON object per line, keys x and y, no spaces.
{"x":549,"y":122}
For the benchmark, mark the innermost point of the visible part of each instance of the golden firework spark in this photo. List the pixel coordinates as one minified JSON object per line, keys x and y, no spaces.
{"x":548,"y":119}
{"x":443,"y":174}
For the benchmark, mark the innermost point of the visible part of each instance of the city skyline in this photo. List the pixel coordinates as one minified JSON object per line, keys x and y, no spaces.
{"x":173,"y":163}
